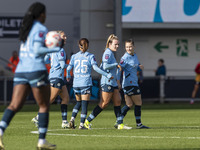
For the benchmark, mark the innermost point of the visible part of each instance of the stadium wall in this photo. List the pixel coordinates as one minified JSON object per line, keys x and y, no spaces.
{"x":96,"y":20}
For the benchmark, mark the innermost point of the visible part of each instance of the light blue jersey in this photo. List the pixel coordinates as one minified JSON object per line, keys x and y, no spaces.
{"x":130,"y":65}
{"x":109,"y":65}
{"x":30,"y":61}
{"x":82,"y":64}
{"x":56,"y":71}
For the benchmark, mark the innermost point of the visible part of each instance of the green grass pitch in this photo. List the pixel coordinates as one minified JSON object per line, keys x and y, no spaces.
{"x":173,"y":126}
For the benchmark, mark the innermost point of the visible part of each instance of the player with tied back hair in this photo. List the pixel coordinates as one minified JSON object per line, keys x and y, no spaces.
{"x":130,"y":65}
{"x":56,"y":77}
{"x":31,"y":73}
{"x":109,"y":87}
{"x":83,"y":62}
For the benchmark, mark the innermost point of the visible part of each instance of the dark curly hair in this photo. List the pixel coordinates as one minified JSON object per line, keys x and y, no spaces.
{"x":34,"y":12}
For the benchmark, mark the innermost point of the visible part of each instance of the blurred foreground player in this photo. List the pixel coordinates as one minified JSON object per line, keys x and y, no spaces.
{"x":31,"y":73}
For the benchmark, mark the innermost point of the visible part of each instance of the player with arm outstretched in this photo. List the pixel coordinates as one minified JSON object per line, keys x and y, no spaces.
{"x":82,"y":64}
{"x":31,"y":73}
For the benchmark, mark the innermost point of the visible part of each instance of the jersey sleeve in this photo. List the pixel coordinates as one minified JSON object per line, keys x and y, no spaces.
{"x":106,"y":57}
{"x":47,"y":58}
{"x":61,"y":55}
{"x":137,"y":60}
{"x":122,"y":62}
{"x":93,"y":60}
{"x":71,"y":63}
{"x":40,"y":35}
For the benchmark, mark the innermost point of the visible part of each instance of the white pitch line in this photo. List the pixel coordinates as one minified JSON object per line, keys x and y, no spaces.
{"x":121,"y":136}
{"x":89,"y":129}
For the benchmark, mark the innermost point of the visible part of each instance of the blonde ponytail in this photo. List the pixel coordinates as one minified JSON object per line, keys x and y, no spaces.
{"x":110,"y":40}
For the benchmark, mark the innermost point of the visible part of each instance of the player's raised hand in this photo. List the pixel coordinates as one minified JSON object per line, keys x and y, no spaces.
{"x":120,"y":68}
{"x":141,"y":67}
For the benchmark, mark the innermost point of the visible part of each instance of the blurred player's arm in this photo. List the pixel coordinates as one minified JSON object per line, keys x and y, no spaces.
{"x":39,"y":49}
{"x":47,"y":59}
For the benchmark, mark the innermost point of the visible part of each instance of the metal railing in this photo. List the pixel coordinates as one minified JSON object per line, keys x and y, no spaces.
{"x":5,"y":80}
{"x":161,"y":89}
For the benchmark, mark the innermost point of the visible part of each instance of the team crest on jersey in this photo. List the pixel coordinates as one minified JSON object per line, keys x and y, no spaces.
{"x":106,"y":56}
{"x":94,"y":58}
{"x":62,"y":54}
{"x":41,"y":34}
{"x":130,"y":81}
{"x":122,"y":61}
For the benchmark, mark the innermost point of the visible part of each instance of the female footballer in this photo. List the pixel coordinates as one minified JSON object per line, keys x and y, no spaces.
{"x":109,"y":87}
{"x":83,"y":62}
{"x":130,"y":65}
{"x":31,"y":73}
{"x":56,"y":77}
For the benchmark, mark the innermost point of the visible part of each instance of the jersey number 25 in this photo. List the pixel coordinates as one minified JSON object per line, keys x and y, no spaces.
{"x":81,"y":66}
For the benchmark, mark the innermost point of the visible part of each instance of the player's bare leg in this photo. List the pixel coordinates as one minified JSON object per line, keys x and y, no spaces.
{"x":20,"y":93}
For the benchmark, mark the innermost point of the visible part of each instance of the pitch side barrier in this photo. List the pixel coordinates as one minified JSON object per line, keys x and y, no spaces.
{"x":168,"y":88}
{"x":154,"y":89}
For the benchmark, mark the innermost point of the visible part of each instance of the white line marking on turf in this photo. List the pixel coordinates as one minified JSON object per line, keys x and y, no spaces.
{"x":120,"y":136}
{"x":91,"y":129}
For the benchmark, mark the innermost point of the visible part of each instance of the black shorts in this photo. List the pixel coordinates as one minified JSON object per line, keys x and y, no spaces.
{"x":131,"y":90}
{"x":57,"y":83}
{"x":108,"y":88}
{"x":82,"y":90}
{"x":34,"y":79}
